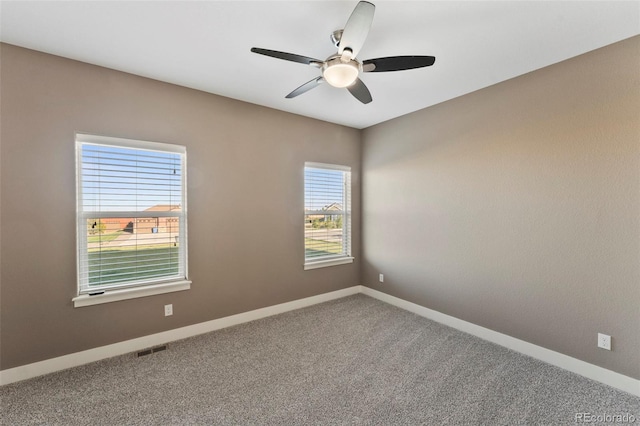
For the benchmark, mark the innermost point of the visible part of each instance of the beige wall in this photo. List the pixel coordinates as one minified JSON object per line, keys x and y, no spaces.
{"x":243,"y":161}
{"x":517,"y":207}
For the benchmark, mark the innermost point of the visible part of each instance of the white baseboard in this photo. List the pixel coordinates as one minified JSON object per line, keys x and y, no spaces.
{"x":566,"y":362}
{"x":574,"y":365}
{"x":28,"y":371}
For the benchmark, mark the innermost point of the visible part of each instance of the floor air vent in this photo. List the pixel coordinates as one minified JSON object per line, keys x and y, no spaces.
{"x":152,"y":350}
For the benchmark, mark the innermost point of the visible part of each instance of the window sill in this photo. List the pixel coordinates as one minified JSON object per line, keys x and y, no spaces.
{"x":327,"y":263}
{"x":130,"y":293}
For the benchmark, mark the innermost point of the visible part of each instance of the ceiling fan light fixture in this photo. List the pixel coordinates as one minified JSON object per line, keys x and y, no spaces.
{"x":341,"y":74}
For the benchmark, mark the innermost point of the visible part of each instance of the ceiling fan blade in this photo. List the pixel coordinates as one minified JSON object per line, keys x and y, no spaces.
{"x":397,"y":63}
{"x":287,"y":56}
{"x":305,"y":87}
{"x":357,"y":28}
{"x":360,"y":91}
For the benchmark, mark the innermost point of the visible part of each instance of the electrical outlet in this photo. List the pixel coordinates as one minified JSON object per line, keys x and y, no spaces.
{"x":604,"y":341}
{"x":168,"y":310}
{"x":381,"y":278}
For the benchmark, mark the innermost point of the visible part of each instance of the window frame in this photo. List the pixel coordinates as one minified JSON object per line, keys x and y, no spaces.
{"x":140,"y":288}
{"x":337,"y":259}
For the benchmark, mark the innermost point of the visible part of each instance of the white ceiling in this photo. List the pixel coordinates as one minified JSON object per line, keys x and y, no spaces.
{"x":206,"y":45}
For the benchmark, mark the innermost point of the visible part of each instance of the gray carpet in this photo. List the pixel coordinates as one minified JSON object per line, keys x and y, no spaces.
{"x":350,"y":361}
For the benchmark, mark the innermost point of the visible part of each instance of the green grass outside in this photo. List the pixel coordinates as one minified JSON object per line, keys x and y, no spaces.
{"x":314,"y":247}
{"x":103,"y":238}
{"x":149,"y":263}
{"x":130,"y":248}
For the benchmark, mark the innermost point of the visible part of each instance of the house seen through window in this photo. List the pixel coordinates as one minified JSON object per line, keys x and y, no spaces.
{"x":131,"y":213}
{"x":327,"y":215}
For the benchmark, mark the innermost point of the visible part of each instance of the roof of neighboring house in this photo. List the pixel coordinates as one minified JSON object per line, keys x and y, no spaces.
{"x":163,"y":208}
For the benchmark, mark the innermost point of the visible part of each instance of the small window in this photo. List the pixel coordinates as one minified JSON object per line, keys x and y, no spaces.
{"x":131,"y":215}
{"x":327,"y":215}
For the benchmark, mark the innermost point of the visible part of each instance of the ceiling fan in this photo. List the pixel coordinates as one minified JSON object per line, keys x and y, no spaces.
{"x":343,"y":69}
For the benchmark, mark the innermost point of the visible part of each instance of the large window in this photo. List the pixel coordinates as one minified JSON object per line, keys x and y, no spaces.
{"x":327,"y":215}
{"x":131,"y":218}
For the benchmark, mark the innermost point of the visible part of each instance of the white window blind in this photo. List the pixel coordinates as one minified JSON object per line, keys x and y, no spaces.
{"x":327,"y":212}
{"x":132,"y":215}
